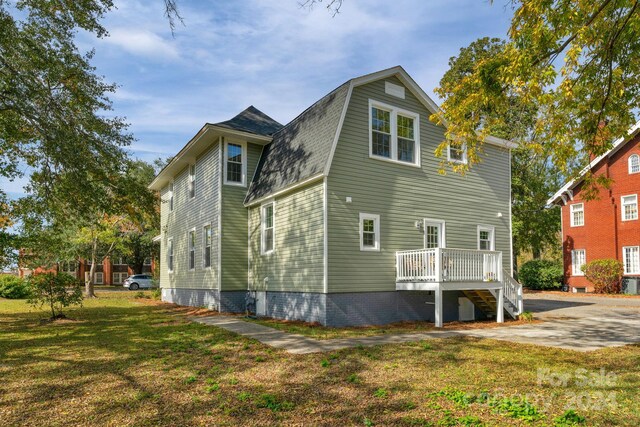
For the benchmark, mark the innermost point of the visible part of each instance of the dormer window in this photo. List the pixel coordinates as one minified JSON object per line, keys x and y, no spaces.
{"x":235,"y":163}
{"x":393,"y":134}
{"x":634,"y":163}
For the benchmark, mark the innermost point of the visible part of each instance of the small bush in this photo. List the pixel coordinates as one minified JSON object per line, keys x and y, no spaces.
{"x":605,"y":274}
{"x":526,"y":316}
{"x":57,"y":291}
{"x":541,"y":274}
{"x":13,"y":287}
{"x":156,"y":293}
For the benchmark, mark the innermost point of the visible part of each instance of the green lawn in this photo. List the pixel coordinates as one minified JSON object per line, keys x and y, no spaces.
{"x":123,"y":361}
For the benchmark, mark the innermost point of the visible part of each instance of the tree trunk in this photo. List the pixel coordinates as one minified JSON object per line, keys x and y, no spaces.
{"x":535,"y":252}
{"x":88,"y":283}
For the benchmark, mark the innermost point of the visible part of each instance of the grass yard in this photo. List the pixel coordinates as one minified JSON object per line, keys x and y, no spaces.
{"x":126,"y":361}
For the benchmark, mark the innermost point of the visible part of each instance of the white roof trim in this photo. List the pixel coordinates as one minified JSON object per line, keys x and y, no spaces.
{"x":193,"y":148}
{"x":157,"y":238}
{"x":285,"y":190}
{"x":617,"y":144}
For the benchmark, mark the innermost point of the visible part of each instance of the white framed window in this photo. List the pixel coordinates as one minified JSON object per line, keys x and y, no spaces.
{"x":192,"y":181}
{"x":98,"y":278}
{"x":191,"y":238}
{"x":577,"y":214}
{"x":486,"y":238}
{"x":578,"y":259}
{"x":235,"y":163}
{"x":170,"y":255}
{"x":171,"y":196}
{"x":118,"y":278}
{"x":147,"y":261}
{"x":634,"y":163}
{"x":457,"y":154}
{"x":394,"y":134}
{"x":206,"y":246}
{"x":71,"y":267}
{"x":629,"y":207}
{"x":267,"y":226}
{"x":434,"y":233}
{"x":369,"y":232}
{"x":631,"y":259}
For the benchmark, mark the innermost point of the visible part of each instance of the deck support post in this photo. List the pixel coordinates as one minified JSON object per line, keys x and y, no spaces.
{"x":500,"y":307}
{"x":438,"y":307}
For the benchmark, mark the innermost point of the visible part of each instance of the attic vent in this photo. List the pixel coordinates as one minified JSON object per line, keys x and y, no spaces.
{"x":393,"y":89}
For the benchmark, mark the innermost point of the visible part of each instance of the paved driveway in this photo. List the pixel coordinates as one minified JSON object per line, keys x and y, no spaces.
{"x":576,"y":323}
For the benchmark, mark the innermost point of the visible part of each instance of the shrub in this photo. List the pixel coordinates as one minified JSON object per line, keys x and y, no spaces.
{"x":55,"y":290}
{"x":605,"y":274}
{"x":13,"y":287}
{"x":541,"y":274}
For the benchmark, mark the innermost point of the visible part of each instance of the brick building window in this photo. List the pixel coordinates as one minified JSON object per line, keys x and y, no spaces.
{"x":577,"y":214}
{"x":578,"y":259}
{"x":629,"y":207}
{"x":634,"y":163}
{"x":631,"y":259}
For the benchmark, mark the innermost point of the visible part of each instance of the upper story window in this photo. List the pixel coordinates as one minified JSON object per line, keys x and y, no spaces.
{"x":457,"y":153}
{"x":629,"y":207}
{"x":206,"y":254}
{"x":578,"y":259}
{"x":394,"y":134}
{"x":171,"y":196}
{"x":369,"y":232}
{"x":147,"y":261}
{"x":631,"y":259}
{"x":486,"y":241}
{"x":268,"y":228}
{"x":192,"y":181}
{"x":577,"y":214}
{"x":235,"y":163}
{"x":634,"y":163}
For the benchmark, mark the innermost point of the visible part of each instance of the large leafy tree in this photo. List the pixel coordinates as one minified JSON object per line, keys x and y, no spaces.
{"x":574,"y":61}
{"x":533,"y":176}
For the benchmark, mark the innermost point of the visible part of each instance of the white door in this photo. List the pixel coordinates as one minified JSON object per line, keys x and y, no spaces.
{"x":261,"y":303}
{"x":434,"y":234}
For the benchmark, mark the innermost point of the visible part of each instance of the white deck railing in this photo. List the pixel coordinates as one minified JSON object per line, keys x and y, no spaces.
{"x":448,"y":265}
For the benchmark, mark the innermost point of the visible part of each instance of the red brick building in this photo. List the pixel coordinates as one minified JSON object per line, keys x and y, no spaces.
{"x":608,"y":226}
{"x":110,"y":272}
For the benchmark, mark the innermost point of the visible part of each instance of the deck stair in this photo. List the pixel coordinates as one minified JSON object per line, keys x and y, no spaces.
{"x":483,"y":300}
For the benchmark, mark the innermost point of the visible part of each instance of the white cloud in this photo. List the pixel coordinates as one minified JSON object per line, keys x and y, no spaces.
{"x":143,"y":43}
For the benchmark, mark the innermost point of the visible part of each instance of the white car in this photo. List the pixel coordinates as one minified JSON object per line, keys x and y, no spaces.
{"x":138,"y":281}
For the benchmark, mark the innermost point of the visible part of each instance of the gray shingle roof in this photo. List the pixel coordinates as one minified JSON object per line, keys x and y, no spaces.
{"x":300,"y":149}
{"x":252,"y":120}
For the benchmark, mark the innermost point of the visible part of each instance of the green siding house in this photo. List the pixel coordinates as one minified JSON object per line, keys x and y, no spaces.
{"x":339,"y":217}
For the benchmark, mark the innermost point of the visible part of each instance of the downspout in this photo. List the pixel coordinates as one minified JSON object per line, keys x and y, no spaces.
{"x":615,"y":215}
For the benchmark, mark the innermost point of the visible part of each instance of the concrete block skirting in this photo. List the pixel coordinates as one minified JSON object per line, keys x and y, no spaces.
{"x":337,"y":309}
{"x":228,"y":302}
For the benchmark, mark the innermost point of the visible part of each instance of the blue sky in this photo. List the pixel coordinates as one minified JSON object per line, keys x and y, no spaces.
{"x":268,"y":53}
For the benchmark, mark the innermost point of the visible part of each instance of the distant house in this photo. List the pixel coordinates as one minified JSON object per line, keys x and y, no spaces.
{"x":112,"y":271}
{"x":607,"y":227}
{"x":339,"y":217}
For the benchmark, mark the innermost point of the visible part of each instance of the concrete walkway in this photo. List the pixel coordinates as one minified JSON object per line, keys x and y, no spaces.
{"x":299,"y":344}
{"x":574,"y":323}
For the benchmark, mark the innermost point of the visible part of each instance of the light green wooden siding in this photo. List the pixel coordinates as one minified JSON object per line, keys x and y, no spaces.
{"x":189,"y":213}
{"x":297,"y":263}
{"x":234,"y":228}
{"x":402,"y":195}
